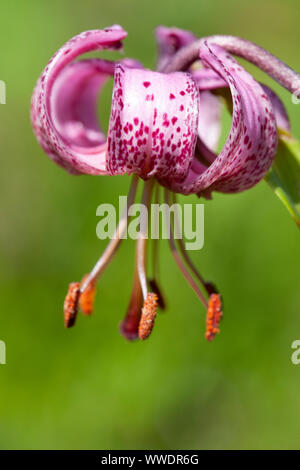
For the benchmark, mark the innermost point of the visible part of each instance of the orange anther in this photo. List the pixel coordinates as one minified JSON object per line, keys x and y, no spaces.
{"x":148,"y":315}
{"x":71,"y":304}
{"x":214,"y":316}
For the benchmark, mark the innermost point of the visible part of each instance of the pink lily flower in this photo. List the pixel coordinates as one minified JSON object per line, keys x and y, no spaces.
{"x":164,"y":128}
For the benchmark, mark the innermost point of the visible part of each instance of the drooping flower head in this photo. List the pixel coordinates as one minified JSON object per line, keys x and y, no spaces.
{"x":164,"y":128}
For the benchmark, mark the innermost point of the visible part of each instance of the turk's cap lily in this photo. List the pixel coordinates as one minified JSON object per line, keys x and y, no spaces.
{"x":156,"y":118}
{"x":164,"y":128}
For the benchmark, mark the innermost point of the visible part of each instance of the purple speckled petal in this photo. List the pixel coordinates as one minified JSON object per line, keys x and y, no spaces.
{"x":63,"y":103}
{"x":73,"y":102}
{"x":170,"y":40}
{"x":251,"y":144}
{"x":153,"y":123}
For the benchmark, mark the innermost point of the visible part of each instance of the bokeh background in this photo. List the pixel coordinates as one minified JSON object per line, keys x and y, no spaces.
{"x":87,"y":387}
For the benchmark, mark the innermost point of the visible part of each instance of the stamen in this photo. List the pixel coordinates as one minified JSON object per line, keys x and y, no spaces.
{"x":87,"y":297}
{"x":208,"y":286}
{"x":142,"y":239}
{"x":155,"y":259}
{"x":180,"y":263}
{"x":71,"y":304}
{"x":213,"y":317}
{"x":129,"y":327}
{"x":114,"y":243}
{"x":148,"y":316}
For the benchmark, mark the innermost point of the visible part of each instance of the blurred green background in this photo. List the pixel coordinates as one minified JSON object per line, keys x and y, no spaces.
{"x":87,"y":387}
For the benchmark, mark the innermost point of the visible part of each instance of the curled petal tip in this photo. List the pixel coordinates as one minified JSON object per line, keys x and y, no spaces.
{"x":114,"y":27}
{"x":63,"y":107}
{"x":251,"y":145}
{"x":169,"y":41}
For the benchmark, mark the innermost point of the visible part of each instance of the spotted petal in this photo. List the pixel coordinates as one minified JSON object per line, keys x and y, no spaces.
{"x":251,"y":144}
{"x":63,"y":110}
{"x":153,"y":123}
{"x":170,"y":40}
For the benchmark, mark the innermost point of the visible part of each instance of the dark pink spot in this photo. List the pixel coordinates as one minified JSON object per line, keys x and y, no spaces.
{"x":172,"y":97}
{"x":182,"y":93}
{"x":146,"y":84}
{"x":136,"y":121}
{"x":174,"y":120}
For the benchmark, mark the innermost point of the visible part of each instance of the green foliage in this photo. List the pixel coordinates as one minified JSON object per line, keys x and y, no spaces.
{"x":284,"y":176}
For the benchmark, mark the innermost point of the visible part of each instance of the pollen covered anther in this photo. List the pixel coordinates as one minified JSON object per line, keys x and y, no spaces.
{"x":148,"y":315}
{"x":71,"y":304}
{"x":87,"y":297}
{"x":214,"y":316}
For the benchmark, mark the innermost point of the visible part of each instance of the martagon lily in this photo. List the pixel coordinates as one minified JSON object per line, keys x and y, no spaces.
{"x":164,"y":129}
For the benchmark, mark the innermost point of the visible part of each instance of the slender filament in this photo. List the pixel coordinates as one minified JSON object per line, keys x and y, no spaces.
{"x":142,"y":238}
{"x":185,"y":256}
{"x":179,"y":261}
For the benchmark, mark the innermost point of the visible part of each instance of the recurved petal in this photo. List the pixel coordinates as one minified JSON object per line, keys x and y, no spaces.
{"x":250,"y":147}
{"x":169,"y":41}
{"x":63,"y":109}
{"x":153,"y":123}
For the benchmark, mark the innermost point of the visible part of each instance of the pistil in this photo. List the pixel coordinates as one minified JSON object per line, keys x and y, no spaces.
{"x":130,"y":325}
